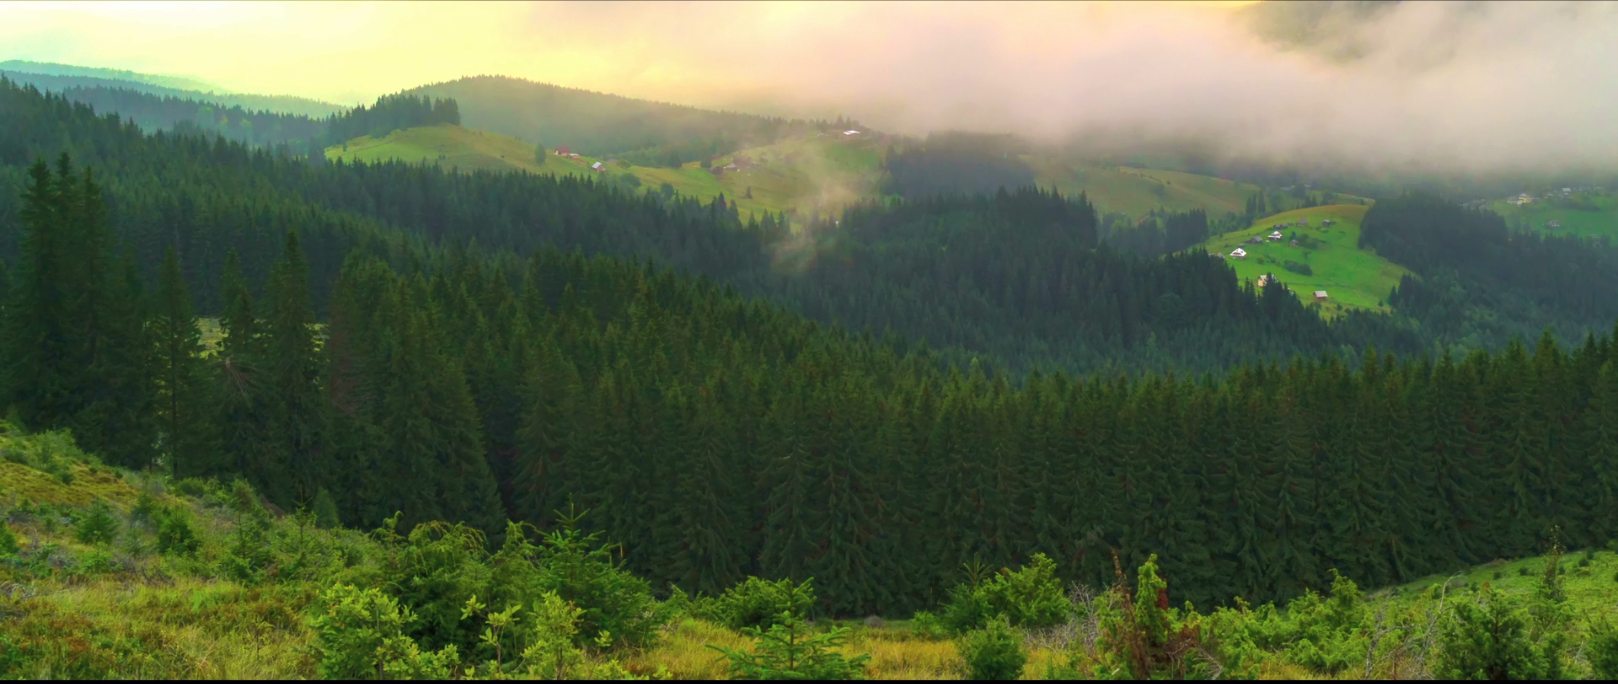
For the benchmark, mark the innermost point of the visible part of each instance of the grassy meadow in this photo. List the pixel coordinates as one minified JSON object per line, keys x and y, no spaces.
{"x":1599,"y":220}
{"x":804,"y":173}
{"x":1135,"y":192}
{"x":1353,"y":278}
{"x":799,"y":174}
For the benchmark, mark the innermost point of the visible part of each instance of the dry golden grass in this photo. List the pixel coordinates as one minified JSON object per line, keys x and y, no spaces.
{"x":683,"y":651}
{"x":190,"y":629}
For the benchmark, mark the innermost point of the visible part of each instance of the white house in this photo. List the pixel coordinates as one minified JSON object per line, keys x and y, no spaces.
{"x":1275,"y":235}
{"x":597,"y":167}
{"x":1265,"y":280}
{"x":1239,"y":254}
{"x":851,"y":132}
{"x":1320,"y":295}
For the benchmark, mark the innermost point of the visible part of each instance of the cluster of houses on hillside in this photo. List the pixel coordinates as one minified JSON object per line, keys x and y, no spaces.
{"x":1548,"y":193}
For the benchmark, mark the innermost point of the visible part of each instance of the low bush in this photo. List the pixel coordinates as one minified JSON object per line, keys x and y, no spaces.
{"x":97,"y":526}
{"x":1029,"y":597}
{"x":754,"y":603}
{"x":789,"y":649}
{"x":994,"y":652}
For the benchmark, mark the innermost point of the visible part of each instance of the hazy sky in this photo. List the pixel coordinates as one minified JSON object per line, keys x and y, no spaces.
{"x":1471,"y":85}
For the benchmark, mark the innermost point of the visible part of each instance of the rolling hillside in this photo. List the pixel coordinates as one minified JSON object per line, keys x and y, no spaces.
{"x":804,"y":173}
{"x":1135,"y":191}
{"x":1597,"y":217}
{"x":801,"y":173}
{"x":1353,"y":278}
{"x":603,"y":124}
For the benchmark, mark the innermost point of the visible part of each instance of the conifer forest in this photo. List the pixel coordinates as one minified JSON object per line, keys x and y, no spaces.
{"x":264,"y":413}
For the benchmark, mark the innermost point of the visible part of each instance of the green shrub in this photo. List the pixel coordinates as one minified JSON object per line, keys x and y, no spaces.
{"x":192,"y":487}
{"x":926,"y":625}
{"x":994,"y":652}
{"x":97,"y":526}
{"x":146,"y":510}
{"x":175,"y":533}
{"x":1499,"y":575}
{"x":581,"y":570}
{"x":1029,"y":597}
{"x":96,"y":561}
{"x":8,"y":542}
{"x":790,"y":650}
{"x":754,"y":603}
{"x":359,"y":634}
{"x":325,"y":510}
{"x":249,"y":553}
{"x":1602,"y":650}
{"x":1296,"y":267}
{"x":434,"y":573}
{"x":1489,"y":640}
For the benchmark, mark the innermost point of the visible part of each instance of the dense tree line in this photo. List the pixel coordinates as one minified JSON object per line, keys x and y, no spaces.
{"x":389,"y":114}
{"x":167,"y":112}
{"x":1161,"y":233}
{"x":601,"y":125}
{"x":957,"y":163}
{"x":1481,"y":282}
{"x":882,"y":268}
{"x":719,"y":437}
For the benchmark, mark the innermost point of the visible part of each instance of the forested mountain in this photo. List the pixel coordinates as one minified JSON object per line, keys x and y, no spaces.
{"x":718,"y":437}
{"x":886,"y":267}
{"x":1483,"y":283}
{"x":598,"y":124}
{"x":187,"y":115}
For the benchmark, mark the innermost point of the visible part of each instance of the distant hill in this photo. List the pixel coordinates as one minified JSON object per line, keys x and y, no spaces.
{"x":600,"y":124}
{"x":1352,"y":277}
{"x":68,"y":84}
{"x":54,"y":69}
{"x":1135,"y":191}
{"x":805,"y":174}
{"x":1580,"y":214}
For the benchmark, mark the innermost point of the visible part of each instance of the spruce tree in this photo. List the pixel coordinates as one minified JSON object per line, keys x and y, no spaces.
{"x":186,"y":399}
{"x":292,"y":369}
{"x":39,"y":368}
{"x":242,"y":409}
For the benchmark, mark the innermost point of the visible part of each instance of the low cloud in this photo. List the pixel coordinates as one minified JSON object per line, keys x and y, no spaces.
{"x":1472,"y":87}
{"x":1475,"y":87}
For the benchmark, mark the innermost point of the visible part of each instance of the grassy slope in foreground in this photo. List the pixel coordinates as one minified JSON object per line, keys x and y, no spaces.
{"x":122,"y":610}
{"x":1353,"y":278}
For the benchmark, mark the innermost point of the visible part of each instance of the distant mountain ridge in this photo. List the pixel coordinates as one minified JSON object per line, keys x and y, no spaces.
{"x":28,"y":73}
{"x":55,"y":69}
